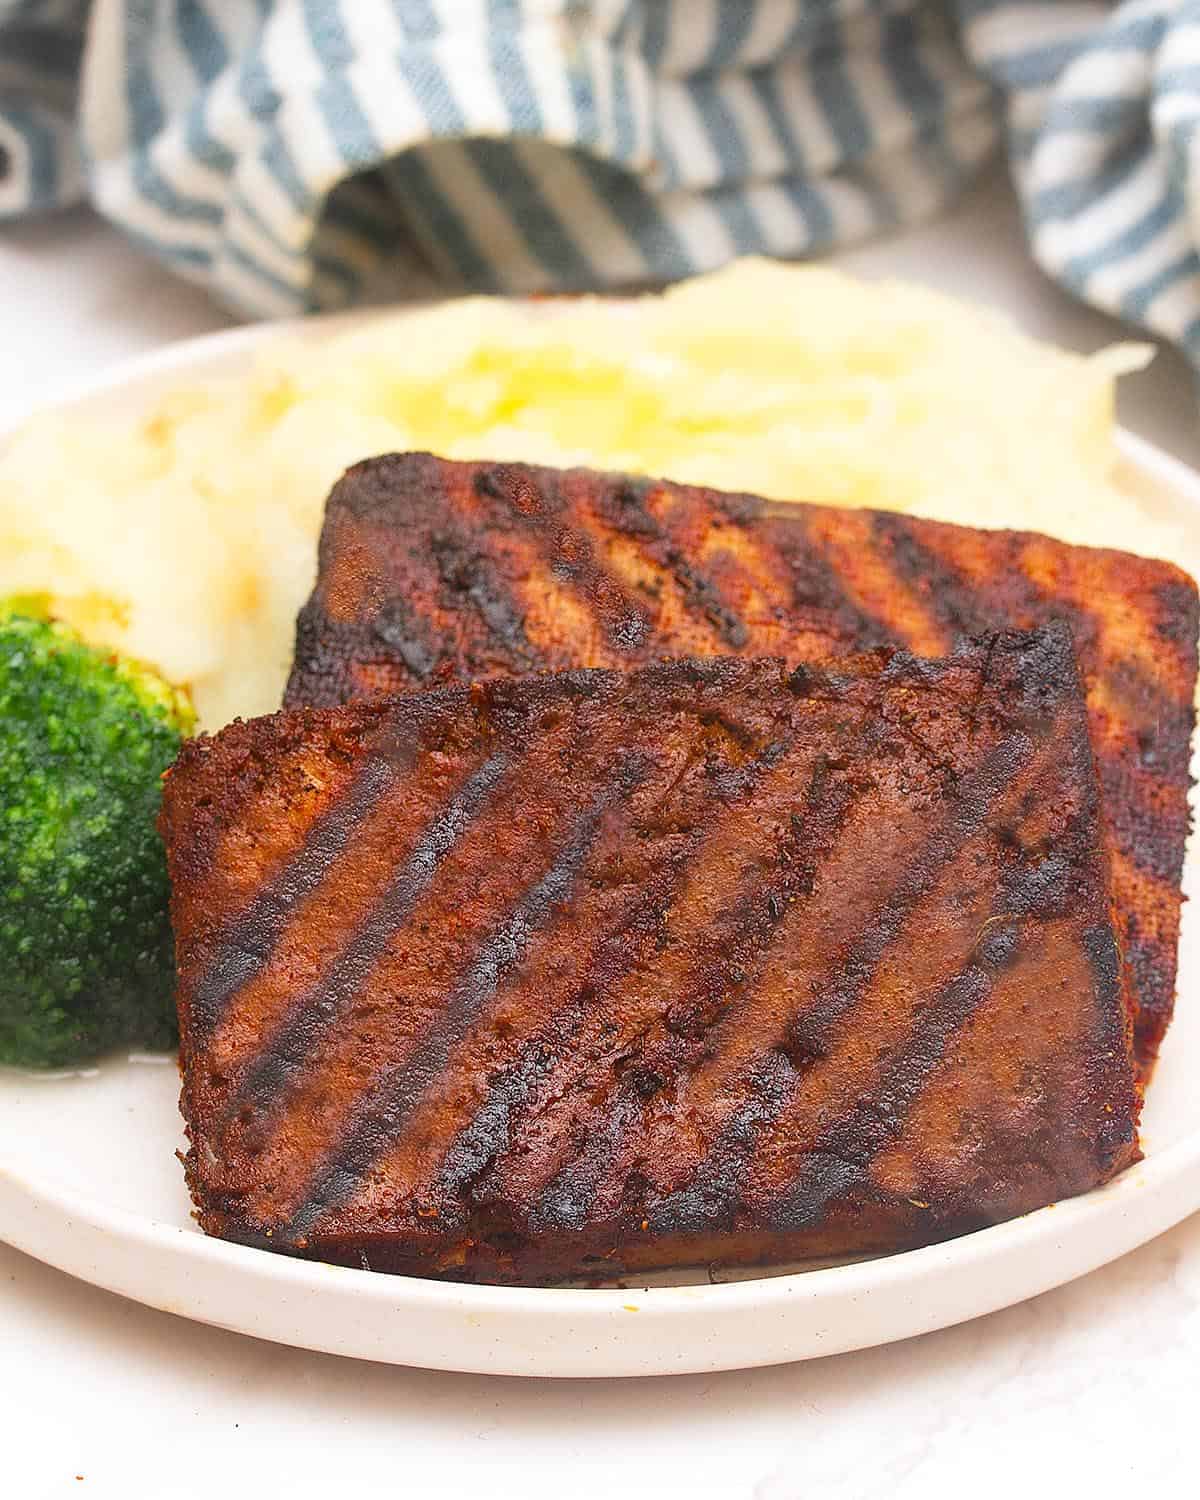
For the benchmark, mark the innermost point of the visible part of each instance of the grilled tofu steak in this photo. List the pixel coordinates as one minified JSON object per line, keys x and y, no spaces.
{"x":431,"y":569}
{"x":597,"y":971}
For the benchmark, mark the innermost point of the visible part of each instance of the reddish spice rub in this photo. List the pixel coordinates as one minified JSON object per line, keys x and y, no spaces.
{"x":712,"y":960}
{"x":432,"y":570}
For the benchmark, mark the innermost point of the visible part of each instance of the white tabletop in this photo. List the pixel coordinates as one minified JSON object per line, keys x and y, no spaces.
{"x":1091,"y":1387}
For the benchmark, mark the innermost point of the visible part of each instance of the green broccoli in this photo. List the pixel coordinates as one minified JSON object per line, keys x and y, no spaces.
{"x":86,"y":960}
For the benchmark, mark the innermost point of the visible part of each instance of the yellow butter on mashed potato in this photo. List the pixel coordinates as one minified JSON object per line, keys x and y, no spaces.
{"x":188,"y":538}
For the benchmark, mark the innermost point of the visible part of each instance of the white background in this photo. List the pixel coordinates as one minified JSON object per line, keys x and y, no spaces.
{"x":1092,"y":1388}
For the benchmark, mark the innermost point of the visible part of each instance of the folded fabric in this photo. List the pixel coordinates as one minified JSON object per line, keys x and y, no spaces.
{"x":1103,"y":110}
{"x":302,"y":154}
{"x":285,"y":151}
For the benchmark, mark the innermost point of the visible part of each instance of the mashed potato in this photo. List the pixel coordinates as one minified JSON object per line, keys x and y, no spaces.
{"x":188,"y":538}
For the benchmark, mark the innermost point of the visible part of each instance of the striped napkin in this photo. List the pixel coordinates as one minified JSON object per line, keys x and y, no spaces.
{"x":301,"y":154}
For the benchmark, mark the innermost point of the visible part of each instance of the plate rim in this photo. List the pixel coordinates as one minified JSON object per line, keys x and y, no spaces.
{"x":30,"y":1210}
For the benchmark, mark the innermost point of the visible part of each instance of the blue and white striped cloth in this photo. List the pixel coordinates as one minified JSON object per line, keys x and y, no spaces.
{"x":1103,"y":116}
{"x":299,"y":154}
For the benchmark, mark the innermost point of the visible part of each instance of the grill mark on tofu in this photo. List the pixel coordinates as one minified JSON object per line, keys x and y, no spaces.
{"x":839,"y":990}
{"x":830,"y":1051}
{"x":516,"y":831}
{"x":693,"y":961}
{"x":872,"y":1010}
{"x":1040,"y":580}
{"x":324,"y":925}
{"x":842,"y":1155}
{"x":400,"y":628}
{"x":490,"y":1129}
{"x":1035,"y":868}
{"x":974,"y":799}
{"x":602,"y":966}
{"x":819,"y":597}
{"x":955,"y":603}
{"x":984,"y":1058}
{"x":1142,"y":945}
{"x":336,"y":646}
{"x":318,"y":1009}
{"x":246,"y":947}
{"x":467,"y":1145}
{"x":699,"y":591}
{"x":647,"y":556}
{"x":392,"y":1100}
{"x":568,"y":551}
{"x":844,"y":542}
{"x":701,"y":993}
{"x":1140,"y":736}
{"x":617,"y":957}
{"x":469,"y":574}
{"x":1162,"y":742}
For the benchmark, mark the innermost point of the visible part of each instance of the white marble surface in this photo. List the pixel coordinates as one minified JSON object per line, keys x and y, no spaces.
{"x":1088,"y":1389}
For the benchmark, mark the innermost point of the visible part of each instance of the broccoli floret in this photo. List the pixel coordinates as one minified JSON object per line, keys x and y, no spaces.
{"x":86,"y":960}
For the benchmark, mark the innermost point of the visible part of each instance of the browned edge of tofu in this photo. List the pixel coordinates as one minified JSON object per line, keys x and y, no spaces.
{"x":597,"y":971}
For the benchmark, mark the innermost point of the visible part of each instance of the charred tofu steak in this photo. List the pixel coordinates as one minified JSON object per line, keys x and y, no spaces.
{"x":431,"y":569}
{"x":709,"y":960}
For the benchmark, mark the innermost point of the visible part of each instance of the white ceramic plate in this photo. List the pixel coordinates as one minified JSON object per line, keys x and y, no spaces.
{"x":89,"y":1182}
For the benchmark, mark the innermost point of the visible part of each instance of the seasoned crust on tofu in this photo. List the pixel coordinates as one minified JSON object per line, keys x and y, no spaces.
{"x":431,"y":569}
{"x":711,"y":960}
